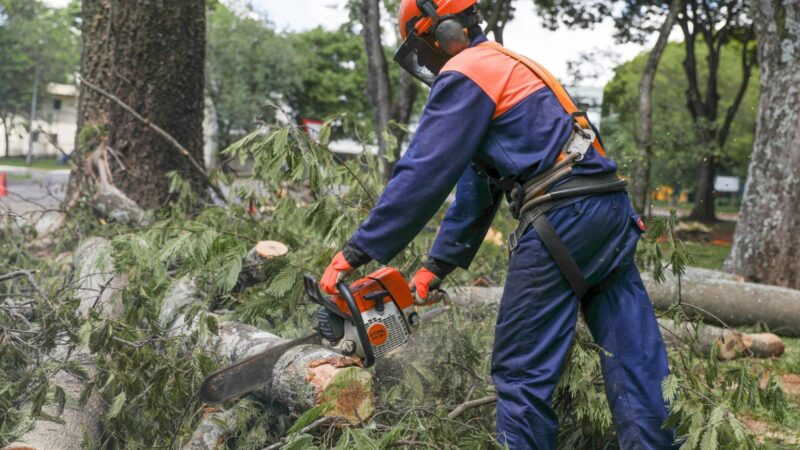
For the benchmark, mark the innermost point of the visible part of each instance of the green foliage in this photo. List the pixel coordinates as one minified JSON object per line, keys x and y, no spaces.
{"x":247,"y":65}
{"x":34,"y":37}
{"x":677,"y":140}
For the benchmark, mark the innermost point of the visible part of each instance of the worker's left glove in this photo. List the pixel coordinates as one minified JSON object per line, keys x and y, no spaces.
{"x":423,"y":283}
{"x":334,"y":273}
{"x":350,"y":258}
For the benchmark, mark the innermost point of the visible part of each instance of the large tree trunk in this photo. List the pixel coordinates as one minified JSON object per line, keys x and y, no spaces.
{"x":767,"y":240}
{"x":151,"y":55}
{"x":378,"y":87}
{"x":640,"y":187}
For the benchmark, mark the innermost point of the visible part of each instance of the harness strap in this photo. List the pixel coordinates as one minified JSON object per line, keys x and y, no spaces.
{"x":561,"y":255}
{"x":561,"y":94}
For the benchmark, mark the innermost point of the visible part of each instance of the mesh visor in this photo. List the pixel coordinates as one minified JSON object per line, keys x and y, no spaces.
{"x":417,"y":57}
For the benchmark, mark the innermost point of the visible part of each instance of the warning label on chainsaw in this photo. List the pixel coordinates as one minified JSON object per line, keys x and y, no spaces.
{"x":377,"y":334}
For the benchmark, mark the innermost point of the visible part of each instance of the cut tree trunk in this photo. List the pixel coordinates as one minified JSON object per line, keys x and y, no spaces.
{"x":97,"y":284}
{"x":727,"y":344}
{"x":767,"y":240}
{"x":151,"y":56}
{"x":640,"y":186}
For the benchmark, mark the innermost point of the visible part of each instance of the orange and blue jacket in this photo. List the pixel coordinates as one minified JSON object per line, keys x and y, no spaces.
{"x":486,"y":108}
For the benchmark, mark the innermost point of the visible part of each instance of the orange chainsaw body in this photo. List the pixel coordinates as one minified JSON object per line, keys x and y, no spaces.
{"x":369,"y":318}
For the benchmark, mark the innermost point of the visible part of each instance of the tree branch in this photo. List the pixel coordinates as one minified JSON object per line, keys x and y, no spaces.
{"x":747,"y":71}
{"x":160,"y":131}
{"x":471,"y":404}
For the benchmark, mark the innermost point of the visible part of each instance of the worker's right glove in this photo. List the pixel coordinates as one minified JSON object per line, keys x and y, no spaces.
{"x":423,"y":283}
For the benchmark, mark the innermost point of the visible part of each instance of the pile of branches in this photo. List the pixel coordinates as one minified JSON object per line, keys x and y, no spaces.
{"x":97,"y":314}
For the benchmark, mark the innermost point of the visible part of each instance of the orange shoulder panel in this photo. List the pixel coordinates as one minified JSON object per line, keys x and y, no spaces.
{"x":505,"y":80}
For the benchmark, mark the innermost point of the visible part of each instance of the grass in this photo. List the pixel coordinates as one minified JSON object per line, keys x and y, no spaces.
{"x":707,"y":256}
{"x":45,"y":164}
{"x":723,"y":206}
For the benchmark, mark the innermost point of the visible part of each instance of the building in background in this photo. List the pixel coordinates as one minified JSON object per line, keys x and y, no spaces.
{"x":55,"y":127}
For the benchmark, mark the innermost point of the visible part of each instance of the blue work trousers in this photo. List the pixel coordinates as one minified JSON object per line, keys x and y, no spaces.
{"x":536,"y":325}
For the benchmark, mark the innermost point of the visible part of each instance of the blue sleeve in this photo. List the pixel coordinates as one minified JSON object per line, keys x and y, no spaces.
{"x":465,"y":225}
{"x":451,"y":130}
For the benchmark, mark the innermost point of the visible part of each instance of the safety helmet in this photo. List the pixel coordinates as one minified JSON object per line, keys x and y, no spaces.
{"x":433,"y":31}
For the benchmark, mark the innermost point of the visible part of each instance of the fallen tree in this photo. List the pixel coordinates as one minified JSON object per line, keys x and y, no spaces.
{"x":718,"y":298}
{"x":97,"y":282}
{"x":721,"y":299}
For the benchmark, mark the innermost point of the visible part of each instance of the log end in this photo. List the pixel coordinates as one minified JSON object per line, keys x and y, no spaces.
{"x":348,"y":389}
{"x":271,"y":249}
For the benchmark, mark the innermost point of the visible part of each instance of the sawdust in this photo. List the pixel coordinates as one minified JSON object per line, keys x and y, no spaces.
{"x":791,"y":383}
{"x":761,"y":432}
{"x":207,"y":410}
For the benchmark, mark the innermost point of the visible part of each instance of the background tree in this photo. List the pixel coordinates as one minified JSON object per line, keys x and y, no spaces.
{"x":332,"y":79}
{"x":389,"y":105}
{"x":247,"y":66}
{"x":766,"y":241}
{"x":34,"y":39}
{"x":674,"y":143}
{"x":497,"y":14}
{"x":712,"y":25}
{"x":151,"y":56}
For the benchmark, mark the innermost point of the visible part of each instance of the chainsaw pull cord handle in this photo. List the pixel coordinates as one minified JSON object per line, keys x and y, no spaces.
{"x":358,"y":321}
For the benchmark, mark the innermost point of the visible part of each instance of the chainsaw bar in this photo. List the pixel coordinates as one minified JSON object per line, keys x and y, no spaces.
{"x":248,"y":374}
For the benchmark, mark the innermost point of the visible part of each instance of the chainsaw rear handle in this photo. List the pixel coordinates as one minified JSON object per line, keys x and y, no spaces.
{"x":358,"y":321}
{"x":315,"y":294}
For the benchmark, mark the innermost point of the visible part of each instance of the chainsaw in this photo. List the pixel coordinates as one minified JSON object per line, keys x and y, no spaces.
{"x":369,"y":319}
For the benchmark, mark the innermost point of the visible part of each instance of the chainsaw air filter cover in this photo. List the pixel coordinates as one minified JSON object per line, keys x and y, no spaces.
{"x":384,"y":304}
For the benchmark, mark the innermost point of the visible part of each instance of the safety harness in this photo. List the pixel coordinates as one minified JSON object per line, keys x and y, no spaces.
{"x":532,"y":198}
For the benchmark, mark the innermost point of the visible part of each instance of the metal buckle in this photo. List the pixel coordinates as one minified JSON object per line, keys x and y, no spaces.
{"x":580,"y":143}
{"x":513,"y":240}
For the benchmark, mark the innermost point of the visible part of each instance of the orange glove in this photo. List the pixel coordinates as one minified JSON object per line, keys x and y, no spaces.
{"x":337,"y":269}
{"x":423,"y":282}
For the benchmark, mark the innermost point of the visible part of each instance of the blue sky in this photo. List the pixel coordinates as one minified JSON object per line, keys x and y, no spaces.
{"x":525,"y":34}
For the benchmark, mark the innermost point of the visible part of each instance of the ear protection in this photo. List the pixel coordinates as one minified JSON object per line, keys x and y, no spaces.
{"x":450,"y":35}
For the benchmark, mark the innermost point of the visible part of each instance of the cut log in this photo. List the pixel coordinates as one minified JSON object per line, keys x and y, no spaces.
{"x":720,"y":298}
{"x":305,"y":376}
{"x":729,"y":344}
{"x":97,"y":282}
{"x":113,"y":205}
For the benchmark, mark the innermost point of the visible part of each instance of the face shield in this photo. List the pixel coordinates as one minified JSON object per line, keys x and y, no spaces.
{"x":419,"y":58}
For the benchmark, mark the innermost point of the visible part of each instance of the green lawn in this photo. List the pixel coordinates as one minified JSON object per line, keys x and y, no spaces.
{"x":723,"y":206}
{"x":706,"y":255}
{"x":45,"y":164}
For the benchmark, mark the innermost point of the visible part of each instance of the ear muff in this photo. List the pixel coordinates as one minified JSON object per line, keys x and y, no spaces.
{"x":451,"y":36}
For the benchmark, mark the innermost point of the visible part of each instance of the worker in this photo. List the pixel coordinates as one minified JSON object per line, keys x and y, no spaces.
{"x":496,"y":124}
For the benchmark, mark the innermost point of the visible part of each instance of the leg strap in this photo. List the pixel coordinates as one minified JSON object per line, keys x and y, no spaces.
{"x":566,"y":263}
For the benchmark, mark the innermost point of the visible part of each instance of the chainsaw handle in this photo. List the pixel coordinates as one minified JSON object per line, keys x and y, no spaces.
{"x":315,"y":294}
{"x":358,"y":321}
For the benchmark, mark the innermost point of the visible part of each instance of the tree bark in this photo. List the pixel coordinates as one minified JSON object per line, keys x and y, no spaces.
{"x":640,"y":186}
{"x":378,"y":87}
{"x":150,"y":55}
{"x":767,"y":240}
{"x":704,"y":209}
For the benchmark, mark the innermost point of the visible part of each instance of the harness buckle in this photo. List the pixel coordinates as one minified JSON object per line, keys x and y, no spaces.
{"x":580,"y":142}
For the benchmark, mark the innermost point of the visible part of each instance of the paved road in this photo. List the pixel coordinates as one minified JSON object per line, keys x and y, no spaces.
{"x":42,"y":190}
